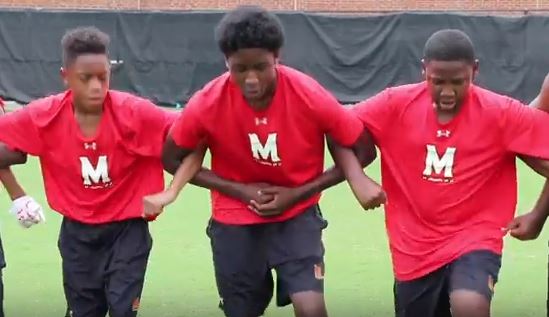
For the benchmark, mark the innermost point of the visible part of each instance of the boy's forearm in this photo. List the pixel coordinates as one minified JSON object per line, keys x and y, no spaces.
{"x":10,"y":183}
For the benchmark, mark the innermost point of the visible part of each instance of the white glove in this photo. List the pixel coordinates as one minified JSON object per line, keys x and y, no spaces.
{"x":27,"y":211}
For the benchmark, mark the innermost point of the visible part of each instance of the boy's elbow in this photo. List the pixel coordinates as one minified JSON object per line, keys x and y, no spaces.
{"x":21,"y":158}
{"x":169,"y":164}
{"x":10,"y":157}
{"x":369,"y":156}
{"x":539,"y":166}
{"x":365,"y":149}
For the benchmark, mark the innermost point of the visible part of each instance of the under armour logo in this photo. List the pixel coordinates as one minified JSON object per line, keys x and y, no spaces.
{"x":135,"y":304}
{"x":319,"y":271}
{"x":259,"y":121}
{"x":92,"y":146}
{"x":443,"y":133}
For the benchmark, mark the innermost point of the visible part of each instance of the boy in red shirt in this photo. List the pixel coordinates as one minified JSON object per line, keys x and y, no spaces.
{"x":27,"y":211}
{"x":451,"y":199}
{"x":528,"y":226}
{"x":100,"y":153}
{"x":265,"y":126}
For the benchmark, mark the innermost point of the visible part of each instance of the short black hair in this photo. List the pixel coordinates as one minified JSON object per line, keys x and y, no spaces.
{"x":83,"y":40}
{"x":249,"y":27}
{"x":449,"y":45}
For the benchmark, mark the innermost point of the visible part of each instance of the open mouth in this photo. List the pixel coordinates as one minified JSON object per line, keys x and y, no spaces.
{"x":447,"y":104}
{"x":95,"y":99}
{"x":252,"y":93}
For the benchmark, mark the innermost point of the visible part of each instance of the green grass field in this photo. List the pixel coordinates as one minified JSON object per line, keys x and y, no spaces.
{"x":180,"y":279}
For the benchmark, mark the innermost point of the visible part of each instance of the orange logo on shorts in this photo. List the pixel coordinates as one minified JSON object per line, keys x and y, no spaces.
{"x":135,"y":304}
{"x":319,"y":271}
{"x":491,"y":283}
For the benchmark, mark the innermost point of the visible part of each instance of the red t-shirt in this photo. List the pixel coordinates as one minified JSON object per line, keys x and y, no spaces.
{"x":282,"y":145}
{"x":97,"y":179}
{"x":452,"y":187}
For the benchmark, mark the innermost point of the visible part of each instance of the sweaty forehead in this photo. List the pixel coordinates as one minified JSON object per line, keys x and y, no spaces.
{"x":90,"y":62}
{"x":250,"y":56}
{"x":448,"y":68}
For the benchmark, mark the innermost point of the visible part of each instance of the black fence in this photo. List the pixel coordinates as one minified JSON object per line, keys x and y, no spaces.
{"x":167,"y":56}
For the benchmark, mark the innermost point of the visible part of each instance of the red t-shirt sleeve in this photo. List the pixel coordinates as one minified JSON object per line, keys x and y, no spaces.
{"x":336,"y":121}
{"x":19,"y":132}
{"x":188,"y":131}
{"x":525,"y":129}
{"x":154,"y":124}
{"x":375,"y":113}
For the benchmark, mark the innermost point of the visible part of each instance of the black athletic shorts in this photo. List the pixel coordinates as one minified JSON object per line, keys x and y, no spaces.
{"x":104,"y":266}
{"x":2,"y":266}
{"x":429,"y":296}
{"x":244,"y":256}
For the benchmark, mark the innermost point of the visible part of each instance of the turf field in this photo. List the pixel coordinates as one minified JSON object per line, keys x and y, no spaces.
{"x":180,"y":280}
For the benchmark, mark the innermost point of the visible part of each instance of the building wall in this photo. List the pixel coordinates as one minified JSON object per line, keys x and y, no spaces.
{"x":505,"y":6}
